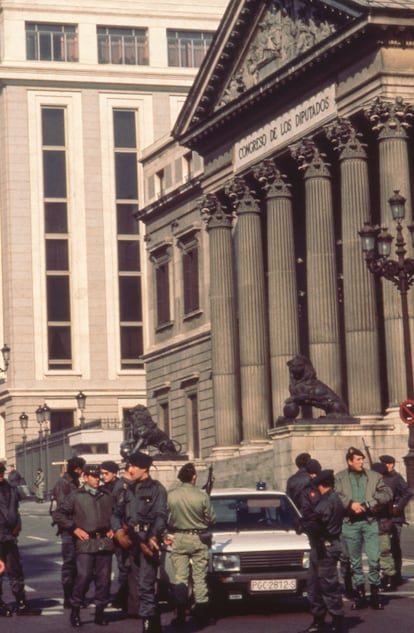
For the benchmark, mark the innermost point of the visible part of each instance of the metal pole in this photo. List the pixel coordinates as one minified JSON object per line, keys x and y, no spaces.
{"x":47,"y":461}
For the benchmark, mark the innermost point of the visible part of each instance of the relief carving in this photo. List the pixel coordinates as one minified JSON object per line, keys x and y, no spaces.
{"x":288,"y":29}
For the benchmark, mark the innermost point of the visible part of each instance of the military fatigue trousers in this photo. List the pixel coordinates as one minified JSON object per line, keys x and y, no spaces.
{"x":360,"y":537}
{"x":189,"y":555}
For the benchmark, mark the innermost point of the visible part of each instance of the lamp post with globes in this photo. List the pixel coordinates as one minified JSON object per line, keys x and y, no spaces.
{"x":376,"y":246}
{"x":24,"y":423}
{"x":81,"y":400}
{"x":43,"y":419}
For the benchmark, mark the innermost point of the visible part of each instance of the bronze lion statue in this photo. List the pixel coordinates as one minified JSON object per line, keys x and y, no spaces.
{"x":306,"y":389}
{"x":141,"y":432}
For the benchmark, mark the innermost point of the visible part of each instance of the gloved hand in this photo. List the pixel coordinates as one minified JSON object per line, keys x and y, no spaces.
{"x":123,"y":538}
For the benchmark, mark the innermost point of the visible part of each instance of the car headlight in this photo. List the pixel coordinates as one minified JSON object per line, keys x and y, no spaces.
{"x":226,"y":562}
{"x":305,"y":560}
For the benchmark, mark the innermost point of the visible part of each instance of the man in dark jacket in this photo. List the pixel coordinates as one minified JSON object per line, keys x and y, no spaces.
{"x":401,"y":496}
{"x":141,"y":517}
{"x":296,"y":482}
{"x":324,"y":527}
{"x":64,"y":486}
{"x":10,"y":526}
{"x":87,"y":514}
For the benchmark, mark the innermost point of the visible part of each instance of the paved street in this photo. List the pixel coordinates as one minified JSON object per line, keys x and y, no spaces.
{"x":40,"y":548}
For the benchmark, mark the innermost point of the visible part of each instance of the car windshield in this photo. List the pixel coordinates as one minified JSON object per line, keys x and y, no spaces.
{"x":252,"y":512}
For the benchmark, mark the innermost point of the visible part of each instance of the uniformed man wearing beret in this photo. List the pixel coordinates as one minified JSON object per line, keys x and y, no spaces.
{"x":401,"y":496}
{"x":87,"y":514}
{"x":141,"y":519}
{"x":323,"y":526}
{"x":362,"y":491}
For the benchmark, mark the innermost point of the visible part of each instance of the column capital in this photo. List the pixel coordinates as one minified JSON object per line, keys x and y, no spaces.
{"x":390,"y":119}
{"x":345,"y":139}
{"x":242,"y":197}
{"x":310,"y":159}
{"x":214,"y":213}
{"x":272,"y":180}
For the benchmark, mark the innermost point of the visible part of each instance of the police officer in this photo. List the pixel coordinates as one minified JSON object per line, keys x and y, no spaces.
{"x":190,"y":514}
{"x":401,"y":496}
{"x":296,"y":482}
{"x":10,"y":527}
{"x":384,"y":518}
{"x":64,"y":486}
{"x":87,"y":514}
{"x":109,"y":474}
{"x":362,"y":491}
{"x":142,"y":519}
{"x":324,"y":529}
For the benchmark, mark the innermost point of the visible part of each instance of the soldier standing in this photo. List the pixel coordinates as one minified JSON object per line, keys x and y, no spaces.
{"x":362,"y":492}
{"x":141,"y":518}
{"x":296,"y":482}
{"x":190,"y":515}
{"x":324,"y":527}
{"x":87,"y":514}
{"x":64,"y":486}
{"x":401,"y":496}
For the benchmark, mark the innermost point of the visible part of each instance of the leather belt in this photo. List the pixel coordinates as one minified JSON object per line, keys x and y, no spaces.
{"x":97,"y":535}
{"x":142,"y":527}
{"x":191,"y":531}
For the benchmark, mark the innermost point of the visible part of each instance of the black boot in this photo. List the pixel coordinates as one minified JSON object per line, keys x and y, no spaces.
{"x":359,"y":598}
{"x":317,"y":625}
{"x":179,"y":619}
{"x":374,"y":601}
{"x":22,"y":608}
{"x":390,"y":584}
{"x":338,"y":624}
{"x":75,"y":617}
{"x":120,"y":600}
{"x":152,"y":624}
{"x":100,"y":616}
{"x":5,"y":610}
{"x":202,"y":615}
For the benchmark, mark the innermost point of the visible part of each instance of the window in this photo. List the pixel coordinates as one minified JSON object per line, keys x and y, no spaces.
{"x":56,"y":238}
{"x":128,"y":239}
{"x":161,"y":394}
{"x":187,"y":48}
{"x":190,"y":271}
{"x":161,"y":258}
{"x":122,"y":46}
{"x":61,"y":420}
{"x":190,"y":387}
{"x":51,"y":42}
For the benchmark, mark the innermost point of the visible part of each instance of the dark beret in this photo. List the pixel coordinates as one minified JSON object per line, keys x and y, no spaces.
{"x":380,"y":468}
{"x":142,"y":460}
{"x":387,"y":459}
{"x":313,"y":467}
{"x":109,"y":465}
{"x":352,"y":451}
{"x":325,"y":477}
{"x":92,"y":469}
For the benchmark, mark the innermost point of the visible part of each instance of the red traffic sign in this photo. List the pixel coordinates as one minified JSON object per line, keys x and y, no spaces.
{"x":407,"y":411}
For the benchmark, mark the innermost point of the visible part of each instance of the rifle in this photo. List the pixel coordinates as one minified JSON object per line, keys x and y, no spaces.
{"x":366,"y":448}
{"x":208,"y":486}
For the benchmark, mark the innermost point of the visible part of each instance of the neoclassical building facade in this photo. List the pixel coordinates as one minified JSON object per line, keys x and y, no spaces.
{"x":85,"y":87}
{"x":302,"y":113}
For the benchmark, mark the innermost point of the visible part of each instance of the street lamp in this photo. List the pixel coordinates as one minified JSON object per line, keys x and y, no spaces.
{"x":376,"y":246}
{"x":5,"y":350}
{"x":24,"y":423}
{"x":43,"y":418}
{"x":81,"y":400}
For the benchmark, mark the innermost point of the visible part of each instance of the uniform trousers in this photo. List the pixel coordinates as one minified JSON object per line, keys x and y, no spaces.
{"x":360,"y":537}
{"x":189,"y":554}
{"x":324,"y":592}
{"x":88,"y":566}
{"x":10,"y":555}
{"x":145,"y":568}
{"x":396,"y":547}
{"x":68,"y":551}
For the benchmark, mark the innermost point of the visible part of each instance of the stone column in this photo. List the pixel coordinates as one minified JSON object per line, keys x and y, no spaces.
{"x":361,"y":328}
{"x":281,"y":281}
{"x":254,"y":363}
{"x":391,"y":120}
{"x":322,"y":291}
{"x":225,"y":345}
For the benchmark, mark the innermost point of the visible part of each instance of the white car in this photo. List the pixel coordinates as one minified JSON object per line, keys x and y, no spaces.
{"x":255,"y":549}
